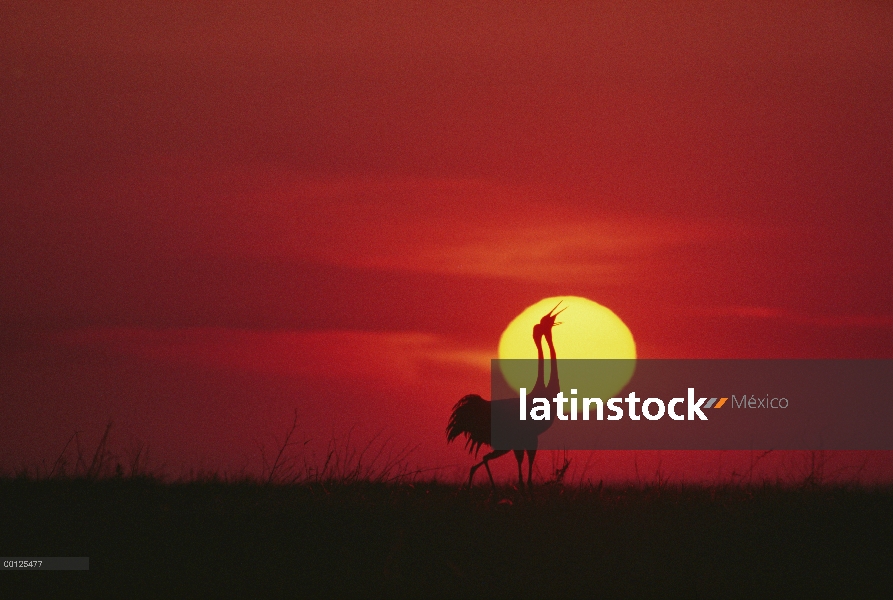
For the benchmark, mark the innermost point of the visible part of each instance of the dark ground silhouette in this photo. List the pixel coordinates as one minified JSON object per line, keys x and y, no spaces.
{"x":212,"y":539}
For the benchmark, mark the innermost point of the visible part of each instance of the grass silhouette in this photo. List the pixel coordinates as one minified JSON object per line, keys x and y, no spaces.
{"x":361,"y":538}
{"x":367,"y":525}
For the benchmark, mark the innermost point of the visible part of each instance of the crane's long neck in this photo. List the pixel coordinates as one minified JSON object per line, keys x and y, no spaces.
{"x":554,"y":385}
{"x":540,"y":364}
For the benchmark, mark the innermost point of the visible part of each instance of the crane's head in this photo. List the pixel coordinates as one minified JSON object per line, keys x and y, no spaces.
{"x":548,"y":321}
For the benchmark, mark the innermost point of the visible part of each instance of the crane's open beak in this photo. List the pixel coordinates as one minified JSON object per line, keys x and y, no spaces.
{"x":545,"y":321}
{"x":558,"y":313}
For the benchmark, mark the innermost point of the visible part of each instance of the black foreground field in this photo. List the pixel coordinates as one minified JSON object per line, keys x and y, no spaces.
{"x":147,"y":539}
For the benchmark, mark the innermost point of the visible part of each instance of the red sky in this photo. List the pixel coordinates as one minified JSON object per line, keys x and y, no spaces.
{"x":214,"y":214}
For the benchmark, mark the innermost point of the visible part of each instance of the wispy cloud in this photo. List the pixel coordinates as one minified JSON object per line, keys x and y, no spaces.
{"x":385,"y":356}
{"x":469,"y":227}
{"x":770,"y":313}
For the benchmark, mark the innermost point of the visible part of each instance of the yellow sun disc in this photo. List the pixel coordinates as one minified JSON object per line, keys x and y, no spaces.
{"x":588,"y":330}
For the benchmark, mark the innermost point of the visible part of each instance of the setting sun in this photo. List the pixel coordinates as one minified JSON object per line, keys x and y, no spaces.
{"x":591,"y":331}
{"x":588,"y":330}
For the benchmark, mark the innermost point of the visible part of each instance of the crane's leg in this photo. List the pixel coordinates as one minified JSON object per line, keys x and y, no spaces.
{"x":489,"y":474}
{"x":531,"y":454}
{"x":519,"y":456}
{"x":488,"y":457}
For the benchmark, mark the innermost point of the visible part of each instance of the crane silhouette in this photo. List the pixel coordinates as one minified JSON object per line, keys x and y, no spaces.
{"x":471,"y":416}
